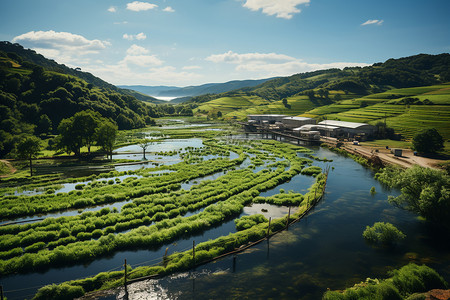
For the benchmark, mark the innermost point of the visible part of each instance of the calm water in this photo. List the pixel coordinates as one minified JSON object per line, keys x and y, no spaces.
{"x":324,"y":250}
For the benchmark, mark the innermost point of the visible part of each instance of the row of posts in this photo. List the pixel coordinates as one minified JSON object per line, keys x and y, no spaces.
{"x":193,"y":244}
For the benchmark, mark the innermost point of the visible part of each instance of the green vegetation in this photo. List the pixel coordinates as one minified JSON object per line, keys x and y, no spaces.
{"x":155,"y":213}
{"x":403,"y":283}
{"x":428,"y":141}
{"x":424,"y":191}
{"x":382,"y":233}
{"x":29,"y":148}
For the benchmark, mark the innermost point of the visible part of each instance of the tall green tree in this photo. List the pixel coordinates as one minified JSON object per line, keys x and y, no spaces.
{"x":29,"y":148}
{"x":423,"y":190}
{"x":69,"y":138}
{"x":428,"y":141}
{"x":44,"y":125}
{"x":106,"y":137}
{"x":85,"y":124}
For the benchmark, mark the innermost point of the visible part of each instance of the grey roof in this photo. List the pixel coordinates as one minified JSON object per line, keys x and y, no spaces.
{"x":309,"y":127}
{"x":297,"y":118}
{"x":268,"y":115}
{"x":343,"y":124}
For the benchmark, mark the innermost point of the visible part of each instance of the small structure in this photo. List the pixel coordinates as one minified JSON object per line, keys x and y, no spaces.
{"x":397,"y":152}
{"x":324,"y":130}
{"x":271,"y":119}
{"x":295,"y":122}
{"x":362,"y":131}
{"x":312,"y":136}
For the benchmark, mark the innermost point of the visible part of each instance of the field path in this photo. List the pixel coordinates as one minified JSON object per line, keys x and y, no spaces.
{"x":8,"y":164}
{"x":407,"y":160}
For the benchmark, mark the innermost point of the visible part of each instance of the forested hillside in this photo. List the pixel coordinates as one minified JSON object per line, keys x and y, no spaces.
{"x":36,"y":94}
{"x":419,"y":70}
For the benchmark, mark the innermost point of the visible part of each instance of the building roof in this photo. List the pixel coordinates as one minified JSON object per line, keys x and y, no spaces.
{"x":297,"y":118}
{"x":343,"y":124}
{"x":309,"y":127}
{"x":268,"y":115}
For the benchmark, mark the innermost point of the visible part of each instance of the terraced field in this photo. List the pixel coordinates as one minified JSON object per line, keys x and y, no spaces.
{"x":405,"y":119}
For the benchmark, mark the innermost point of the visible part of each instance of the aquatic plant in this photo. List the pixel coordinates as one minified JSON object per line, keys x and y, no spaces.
{"x":382,"y":233}
{"x":403,"y":282}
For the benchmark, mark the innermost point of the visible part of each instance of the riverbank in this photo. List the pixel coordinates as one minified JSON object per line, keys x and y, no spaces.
{"x":406,"y":160}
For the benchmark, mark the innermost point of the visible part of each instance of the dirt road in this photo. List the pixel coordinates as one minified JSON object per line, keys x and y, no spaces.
{"x":407,"y":160}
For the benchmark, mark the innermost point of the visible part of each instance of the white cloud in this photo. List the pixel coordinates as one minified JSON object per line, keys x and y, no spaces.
{"x":125,"y":73}
{"x":263,"y":65}
{"x":168,"y":9}
{"x":64,"y":47}
{"x":139,"y":56}
{"x":137,"y":50}
{"x":143,"y":60}
{"x":191,"y":67}
{"x":280,"y":8}
{"x":140,"y":36}
{"x":235,"y":58}
{"x":120,"y":23}
{"x":140,"y":6}
{"x":112,"y":9}
{"x":372,"y":22}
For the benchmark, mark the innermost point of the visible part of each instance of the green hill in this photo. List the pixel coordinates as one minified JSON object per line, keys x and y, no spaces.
{"x":408,"y":94}
{"x":36,"y":94}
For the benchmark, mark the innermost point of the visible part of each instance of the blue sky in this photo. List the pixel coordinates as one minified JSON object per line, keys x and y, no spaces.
{"x":181,"y":42}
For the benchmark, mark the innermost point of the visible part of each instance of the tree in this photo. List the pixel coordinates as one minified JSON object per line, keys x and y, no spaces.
{"x":85,"y":124}
{"x":424,"y":191}
{"x":78,"y":131}
{"x":144,"y":145}
{"x":69,"y":138}
{"x":428,"y":141}
{"x":106,"y":137}
{"x":44,"y":125}
{"x":310,"y":94}
{"x":29,"y":148}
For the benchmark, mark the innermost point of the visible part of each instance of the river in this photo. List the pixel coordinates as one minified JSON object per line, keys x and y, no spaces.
{"x":324,"y":250}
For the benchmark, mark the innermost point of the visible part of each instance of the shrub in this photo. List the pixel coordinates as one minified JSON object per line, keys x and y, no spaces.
{"x":382,"y":233}
{"x":246,"y":222}
{"x":59,"y":292}
{"x":79,"y":186}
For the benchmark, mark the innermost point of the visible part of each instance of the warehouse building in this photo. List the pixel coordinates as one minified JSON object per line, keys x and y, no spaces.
{"x":295,"y":122}
{"x":260,"y":119}
{"x":362,"y":131}
{"x":323,"y":130}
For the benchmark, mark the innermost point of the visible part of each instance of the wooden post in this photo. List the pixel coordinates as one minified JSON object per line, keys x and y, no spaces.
{"x":289,"y":216}
{"x":268,"y":227}
{"x":125,"y":273}
{"x":1,"y":292}
{"x":193,"y":252}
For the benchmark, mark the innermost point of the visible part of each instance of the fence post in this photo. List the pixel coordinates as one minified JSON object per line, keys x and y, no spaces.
{"x":289,"y":216}
{"x":193,"y":252}
{"x":125,"y":273}
{"x":268,"y":228}
{"x":1,"y":292}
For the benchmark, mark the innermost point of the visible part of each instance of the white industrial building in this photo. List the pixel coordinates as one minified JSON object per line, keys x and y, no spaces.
{"x":260,"y":119}
{"x":295,"y":122}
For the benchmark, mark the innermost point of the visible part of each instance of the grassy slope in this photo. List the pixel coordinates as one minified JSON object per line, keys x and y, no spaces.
{"x":405,"y":119}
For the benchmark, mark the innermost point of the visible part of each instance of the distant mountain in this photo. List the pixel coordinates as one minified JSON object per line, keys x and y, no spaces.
{"x":418,"y":70}
{"x":190,"y":91}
